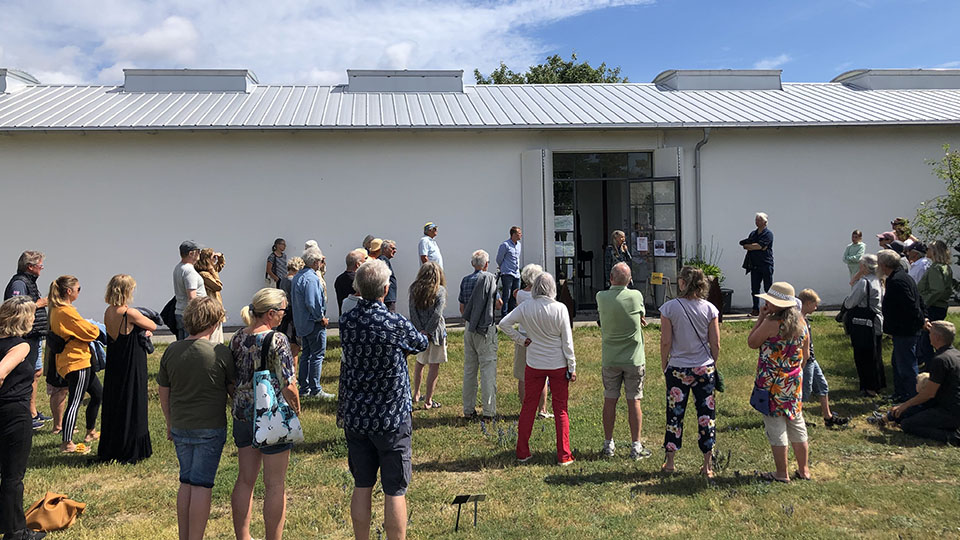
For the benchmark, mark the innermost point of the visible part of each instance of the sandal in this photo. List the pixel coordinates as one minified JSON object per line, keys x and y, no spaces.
{"x":431,"y":405}
{"x":798,"y":476}
{"x":92,"y":437}
{"x":771,"y":477}
{"x":80,"y":449}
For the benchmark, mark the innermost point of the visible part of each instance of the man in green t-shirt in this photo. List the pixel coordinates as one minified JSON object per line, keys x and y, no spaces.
{"x":621,"y":318}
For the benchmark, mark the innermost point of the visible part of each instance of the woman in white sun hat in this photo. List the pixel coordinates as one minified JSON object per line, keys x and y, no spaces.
{"x":781,"y":335}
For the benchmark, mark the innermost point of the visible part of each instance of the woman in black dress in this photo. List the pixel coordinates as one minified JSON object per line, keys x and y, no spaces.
{"x":125,"y":435}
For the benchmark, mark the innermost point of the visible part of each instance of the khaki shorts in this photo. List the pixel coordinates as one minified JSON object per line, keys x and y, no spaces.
{"x":435,"y":354}
{"x":781,"y":429}
{"x":519,"y":361}
{"x":630,"y":377}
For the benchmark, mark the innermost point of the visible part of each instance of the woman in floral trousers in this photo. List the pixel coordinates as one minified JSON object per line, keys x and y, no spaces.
{"x":689,"y":349}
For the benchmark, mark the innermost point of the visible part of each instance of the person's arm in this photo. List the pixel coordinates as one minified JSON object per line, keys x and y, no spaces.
{"x":164,"y":392}
{"x":763,"y":329}
{"x":925,"y":395}
{"x":210,"y":283}
{"x":434,"y":321}
{"x":713,"y":338}
{"x":313,"y":298}
{"x":806,"y":346}
{"x":137,"y":318}
{"x":292,"y":395}
{"x":507,"y":327}
{"x":566,"y":342}
{"x":73,"y":325}
{"x":501,"y":254}
{"x":269,"y":270}
{"x":12,"y":359}
{"x":666,"y":341}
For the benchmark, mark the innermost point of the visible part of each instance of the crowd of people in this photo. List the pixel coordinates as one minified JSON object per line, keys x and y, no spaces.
{"x":283,"y":343}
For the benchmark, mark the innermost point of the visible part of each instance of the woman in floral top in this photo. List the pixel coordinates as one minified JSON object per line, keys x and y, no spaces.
{"x":262,"y":315}
{"x":782,"y":338}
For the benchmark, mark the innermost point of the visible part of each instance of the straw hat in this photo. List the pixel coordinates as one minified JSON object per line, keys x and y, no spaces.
{"x":781,"y":295}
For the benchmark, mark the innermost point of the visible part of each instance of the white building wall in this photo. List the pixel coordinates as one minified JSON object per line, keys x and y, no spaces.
{"x":817,"y":185}
{"x":104,"y":203}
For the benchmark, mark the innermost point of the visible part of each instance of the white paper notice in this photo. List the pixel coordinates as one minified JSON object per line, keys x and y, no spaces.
{"x":642,"y":244}
{"x":659,"y":248}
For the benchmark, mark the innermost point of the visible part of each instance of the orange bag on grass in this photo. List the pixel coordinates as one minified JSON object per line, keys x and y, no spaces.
{"x":53,"y":512}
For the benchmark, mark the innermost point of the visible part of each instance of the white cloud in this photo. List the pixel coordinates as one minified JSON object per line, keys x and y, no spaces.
{"x":772,"y":63}
{"x":287,"y":41}
{"x":953,"y":64}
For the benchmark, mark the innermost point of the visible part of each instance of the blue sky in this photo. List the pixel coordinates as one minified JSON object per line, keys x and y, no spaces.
{"x":312,"y":41}
{"x":810,"y":40}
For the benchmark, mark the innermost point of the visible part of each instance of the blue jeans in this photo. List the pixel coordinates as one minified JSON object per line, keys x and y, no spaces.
{"x":510,"y":284}
{"x":764,"y":274}
{"x":199,"y":451}
{"x":313,"y":347}
{"x":904,"y":360}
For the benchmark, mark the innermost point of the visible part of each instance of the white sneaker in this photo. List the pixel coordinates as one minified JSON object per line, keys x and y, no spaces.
{"x":325,"y":395}
{"x":608,"y":448}
{"x":638,"y":452}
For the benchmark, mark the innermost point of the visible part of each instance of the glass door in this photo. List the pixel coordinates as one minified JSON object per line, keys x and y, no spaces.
{"x":654,"y":234}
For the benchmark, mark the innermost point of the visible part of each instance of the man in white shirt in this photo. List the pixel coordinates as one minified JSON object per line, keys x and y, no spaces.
{"x":919,"y":263}
{"x":428,"y":248}
{"x":187,"y":283}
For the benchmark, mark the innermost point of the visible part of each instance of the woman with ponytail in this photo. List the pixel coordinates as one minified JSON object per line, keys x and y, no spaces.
{"x":73,"y":362}
{"x":262,"y":315}
{"x":126,"y":433}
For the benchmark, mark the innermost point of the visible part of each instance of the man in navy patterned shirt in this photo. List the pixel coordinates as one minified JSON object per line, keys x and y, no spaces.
{"x":374,"y":406}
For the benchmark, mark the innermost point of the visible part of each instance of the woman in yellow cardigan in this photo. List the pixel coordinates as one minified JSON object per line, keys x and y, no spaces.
{"x":73,"y":363}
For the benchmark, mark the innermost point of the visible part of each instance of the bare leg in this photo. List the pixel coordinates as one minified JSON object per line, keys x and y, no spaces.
{"x":433,"y":370}
{"x":360,"y":512}
{"x":183,"y":511}
{"x":395,"y":517}
{"x":825,"y":406}
{"x":417,"y":374}
{"x":635,"y":417}
{"x":707,"y":469}
{"x":241,"y":500}
{"x":668,"y":464}
{"x":780,"y":460}
{"x":58,"y":404}
{"x":801,"y":451}
{"x":609,"y":417}
{"x":274,"y":493}
{"x":33,"y":395}
{"x":199,"y":511}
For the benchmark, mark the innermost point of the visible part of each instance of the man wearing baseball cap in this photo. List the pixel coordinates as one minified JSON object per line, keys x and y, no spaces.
{"x":428,"y":248}
{"x":187,"y":283}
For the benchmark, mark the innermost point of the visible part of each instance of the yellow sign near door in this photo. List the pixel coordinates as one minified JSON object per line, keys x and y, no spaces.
{"x":656,"y":278}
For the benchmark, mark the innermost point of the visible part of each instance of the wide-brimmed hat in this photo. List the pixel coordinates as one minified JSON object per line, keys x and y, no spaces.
{"x":781,"y":294}
{"x":375,"y":245}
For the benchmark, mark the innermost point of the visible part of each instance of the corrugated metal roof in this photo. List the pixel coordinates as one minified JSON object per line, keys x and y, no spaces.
{"x":607,"y":106}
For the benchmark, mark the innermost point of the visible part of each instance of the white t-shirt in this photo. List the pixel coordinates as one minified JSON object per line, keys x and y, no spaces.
{"x":186,"y":278}
{"x":428,"y":247}
{"x":690,"y":346}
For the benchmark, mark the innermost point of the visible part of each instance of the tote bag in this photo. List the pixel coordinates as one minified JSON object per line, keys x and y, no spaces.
{"x":274,"y":422}
{"x":53,"y":512}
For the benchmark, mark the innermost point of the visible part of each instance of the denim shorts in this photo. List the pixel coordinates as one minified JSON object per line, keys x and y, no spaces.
{"x":198,"y":451}
{"x":38,"y":365}
{"x":243,"y":437}
{"x":388,"y":452}
{"x":813,"y":381}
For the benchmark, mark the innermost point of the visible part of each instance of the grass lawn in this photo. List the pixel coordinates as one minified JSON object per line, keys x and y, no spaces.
{"x":868,"y":482}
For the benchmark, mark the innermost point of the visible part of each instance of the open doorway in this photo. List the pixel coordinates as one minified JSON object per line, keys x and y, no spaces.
{"x":596,"y":194}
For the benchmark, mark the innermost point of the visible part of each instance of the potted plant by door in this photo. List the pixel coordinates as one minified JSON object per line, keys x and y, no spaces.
{"x":708,"y":263}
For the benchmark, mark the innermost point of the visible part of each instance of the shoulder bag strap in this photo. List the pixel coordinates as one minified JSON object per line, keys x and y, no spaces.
{"x":689,"y":318}
{"x":265,"y":349}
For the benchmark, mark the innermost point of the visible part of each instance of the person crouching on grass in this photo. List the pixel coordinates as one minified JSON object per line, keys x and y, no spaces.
{"x":196,"y":375}
{"x":814,"y":383}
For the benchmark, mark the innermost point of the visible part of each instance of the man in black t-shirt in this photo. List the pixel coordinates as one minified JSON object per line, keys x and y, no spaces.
{"x":343,"y":285}
{"x":934,"y":413}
